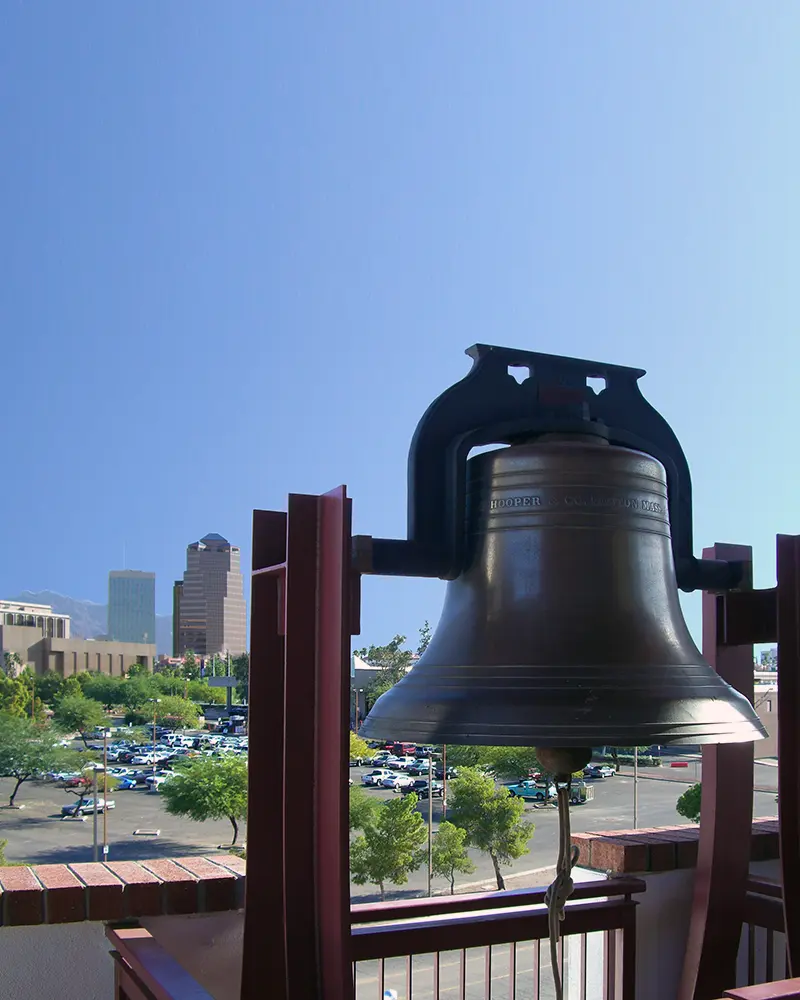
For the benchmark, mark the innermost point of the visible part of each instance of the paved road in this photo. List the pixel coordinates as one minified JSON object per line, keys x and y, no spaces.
{"x":611,"y":809}
{"x":36,"y":834}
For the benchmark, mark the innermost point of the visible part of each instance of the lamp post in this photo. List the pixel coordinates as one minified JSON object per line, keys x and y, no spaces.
{"x":155,"y":702}
{"x":636,"y":788}
{"x":430,"y":821}
{"x":105,"y":795}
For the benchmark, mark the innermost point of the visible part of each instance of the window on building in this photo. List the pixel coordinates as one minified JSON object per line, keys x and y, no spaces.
{"x":60,"y":628}
{"x":9,"y":619}
{"x":50,"y":627}
{"x":30,"y":621}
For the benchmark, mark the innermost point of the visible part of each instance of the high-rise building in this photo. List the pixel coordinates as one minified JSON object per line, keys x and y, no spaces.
{"x":211,"y":604}
{"x":177,"y":594}
{"x":131,"y":606}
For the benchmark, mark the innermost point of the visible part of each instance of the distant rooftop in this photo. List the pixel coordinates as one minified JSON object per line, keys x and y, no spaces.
{"x":214,"y":537}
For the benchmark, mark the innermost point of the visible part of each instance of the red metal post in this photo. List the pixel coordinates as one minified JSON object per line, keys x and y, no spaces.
{"x":264,"y":949}
{"x":725,"y":823}
{"x":789,"y":739}
{"x":297,"y":928}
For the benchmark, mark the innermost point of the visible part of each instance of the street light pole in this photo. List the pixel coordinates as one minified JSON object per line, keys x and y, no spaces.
{"x":430,"y":822}
{"x":444,"y":782}
{"x":105,"y":795}
{"x":155,"y":702}
{"x":94,"y":814}
{"x":636,"y":788}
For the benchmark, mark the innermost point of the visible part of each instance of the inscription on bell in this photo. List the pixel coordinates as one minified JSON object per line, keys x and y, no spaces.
{"x":515,"y":502}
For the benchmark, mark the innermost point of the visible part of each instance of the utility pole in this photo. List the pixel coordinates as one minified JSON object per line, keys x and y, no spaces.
{"x":636,"y":788}
{"x":430,"y":822}
{"x":105,"y":794}
{"x":444,"y":782}
{"x":94,"y":814}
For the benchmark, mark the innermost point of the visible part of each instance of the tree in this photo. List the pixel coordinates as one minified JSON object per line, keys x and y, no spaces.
{"x":392,"y":662}
{"x":449,"y":854}
{"x":27,"y":749}
{"x":12,"y":664}
{"x":209,"y":788}
{"x":180,"y":713}
{"x":49,"y":686}
{"x":688,"y":805}
{"x":72,"y":687}
{"x":14,"y":696}
{"x":390,"y":848}
{"x":504,"y":762}
{"x":74,"y":712}
{"x":136,"y":691}
{"x":191,"y":668}
{"x":363,"y":809}
{"x":139,"y":670}
{"x":199,"y":691}
{"x":105,"y":689}
{"x":425,"y":634}
{"x":240,"y":665}
{"x":359,"y":749}
{"x":491,"y":817}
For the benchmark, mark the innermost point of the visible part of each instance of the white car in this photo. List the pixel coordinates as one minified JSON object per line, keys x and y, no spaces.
{"x":376,"y":777}
{"x":404,"y":763}
{"x":86,"y":807}
{"x":397,"y":781}
{"x":153,"y":784}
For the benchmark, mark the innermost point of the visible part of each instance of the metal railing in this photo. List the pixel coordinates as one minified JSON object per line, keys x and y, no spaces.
{"x":494,"y":946}
{"x":762,"y":951}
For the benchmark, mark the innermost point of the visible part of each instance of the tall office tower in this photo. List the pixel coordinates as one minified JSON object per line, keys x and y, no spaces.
{"x":131,"y":606}
{"x":212,"y":610}
{"x":177,"y":594}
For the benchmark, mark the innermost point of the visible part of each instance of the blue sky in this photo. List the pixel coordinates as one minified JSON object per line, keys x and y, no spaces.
{"x":244,"y":247}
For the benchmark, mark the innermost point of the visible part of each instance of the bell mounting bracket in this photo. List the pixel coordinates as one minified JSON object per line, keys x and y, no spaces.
{"x":490,"y":406}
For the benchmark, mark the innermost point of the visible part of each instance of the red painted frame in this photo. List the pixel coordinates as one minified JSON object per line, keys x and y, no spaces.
{"x":731,"y":624}
{"x":297,"y":922}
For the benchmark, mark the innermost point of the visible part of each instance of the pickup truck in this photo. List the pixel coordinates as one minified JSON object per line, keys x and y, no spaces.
{"x":537,"y":791}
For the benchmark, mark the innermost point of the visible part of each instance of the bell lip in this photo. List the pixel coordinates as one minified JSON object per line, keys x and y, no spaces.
{"x":746,"y":731}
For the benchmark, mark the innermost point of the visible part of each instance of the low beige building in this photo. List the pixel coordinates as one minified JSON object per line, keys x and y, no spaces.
{"x":42,"y":641}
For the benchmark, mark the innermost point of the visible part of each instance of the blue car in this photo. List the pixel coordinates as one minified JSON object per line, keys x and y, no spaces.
{"x":126,"y":783}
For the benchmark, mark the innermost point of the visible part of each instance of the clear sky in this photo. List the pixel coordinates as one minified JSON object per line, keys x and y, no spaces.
{"x":244,"y":245}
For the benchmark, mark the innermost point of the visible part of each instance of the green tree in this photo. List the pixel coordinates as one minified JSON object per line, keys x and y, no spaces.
{"x":200,"y":691}
{"x":425,"y":634}
{"x":492,"y":819}
{"x":363,"y":809}
{"x":105,"y":689}
{"x":28,"y":749}
{"x":240,"y":665}
{"x":191,"y":668}
{"x":180,"y":713}
{"x":359,"y":749}
{"x":72,"y":688}
{"x":392,"y":662}
{"x":12,"y":664}
{"x":137,"y":691}
{"x":74,"y":712}
{"x":504,"y":762}
{"x":139,"y":670}
{"x":688,"y":805}
{"x":390,"y":848}
{"x":209,"y":788}
{"x":49,"y":687}
{"x":449,"y":854}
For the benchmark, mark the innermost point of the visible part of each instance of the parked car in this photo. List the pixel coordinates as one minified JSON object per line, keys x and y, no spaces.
{"x":154,"y":784}
{"x":599,"y":771}
{"x":376,"y":777}
{"x":404,"y":763}
{"x":535,"y":791}
{"x":396,"y":781}
{"x":86,"y":807}
{"x":127,"y":783}
{"x":420,"y":786}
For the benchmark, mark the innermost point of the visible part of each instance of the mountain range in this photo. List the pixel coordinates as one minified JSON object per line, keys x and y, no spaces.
{"x":89,"y":619}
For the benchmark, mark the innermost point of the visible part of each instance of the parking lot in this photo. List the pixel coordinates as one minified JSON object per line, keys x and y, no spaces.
{"x":36,"y":833}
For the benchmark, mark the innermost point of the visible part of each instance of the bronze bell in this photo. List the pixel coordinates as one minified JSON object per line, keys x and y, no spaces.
{"x":565,"y":629}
